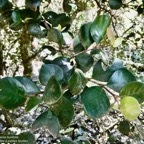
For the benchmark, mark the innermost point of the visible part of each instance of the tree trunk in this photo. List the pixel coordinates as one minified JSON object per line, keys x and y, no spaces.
{"x":25,"y":44}
{"x":1,"y":59}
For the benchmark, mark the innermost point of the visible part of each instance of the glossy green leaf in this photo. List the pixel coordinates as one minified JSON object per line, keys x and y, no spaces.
{"x":56,"y":36}
{"x":16,"y":16}
{"x":32,"y":4}
{"x":130,"y":108}
{"x":57,"y":19}
{"x":99,"y":27}
{"x":35,"y":30}
{"x":12,"y":94}
{"x":64,"y":111}
{"x":134,"y":89}
{"x":120,"y":78}
{"x":101,"y":75}
{"x":48,"y":120}
{"x":78,"y":47}
{"x":124,"y":127}
{"x":95,"y":102}
{"x":28,"y":137}
{"x":29,"y":86}
{"x":64,"y":63}
{"x":84,"y":35}
{"x":115,"y":4}
{"x":5,"y":5}
{"x":32,"y":102}
{"x":77,"y":82}
{"x":84,"y":61}
{"x":53,"y":91}
{"x":27,"y":14}
{"x":48,"y":70}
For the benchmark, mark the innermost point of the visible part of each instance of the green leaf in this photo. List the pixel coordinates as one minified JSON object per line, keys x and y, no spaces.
{"x":51,"y":49}
{"x":130,"y":108}
{"x":5,"y":5}
{"x":78,"y":47}
{"x":124,"y":127}
{"x":35,"y":30}
{"x":48,"y":70}
{"x":27,"y":14}
{"x":56,"y":36}
{"x":16,"y":26}
{"x":16,"y":16}
{"x":115,"y":4}
{"x":29,"y":86}
{"x":28,"y":137}
{"x":64,"y":111}
{"x":64,"y":63}
{"x":53,"y":91}
{"x":101,"y":75}
{"x":49,"y":121}
{"x":84,"y":35}
{"x":67,"y":141}
{"x":120,"y":78}
{"x":57,"y":19}
{"x":134,"y":89}
{"x":32,"y":4}
{"x":12,"y":94}
{"x":99,"y":27}
{"x":32,"y":102}
{"x":95,"y":101}
{"x":77,"y":82}
{"x":84,"y":61}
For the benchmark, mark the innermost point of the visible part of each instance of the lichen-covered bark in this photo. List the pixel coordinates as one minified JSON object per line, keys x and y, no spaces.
{"x":25,"y":44}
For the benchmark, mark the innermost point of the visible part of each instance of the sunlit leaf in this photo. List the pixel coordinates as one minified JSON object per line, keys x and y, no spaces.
{"x":130,"y":108}
{"x":134,"y":89}
{"x":99,"y":27}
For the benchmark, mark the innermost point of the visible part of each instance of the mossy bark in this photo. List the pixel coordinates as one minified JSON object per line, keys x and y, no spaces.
{"x":25,"y":44}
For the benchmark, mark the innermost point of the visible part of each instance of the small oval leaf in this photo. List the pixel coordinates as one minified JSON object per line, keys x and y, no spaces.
{"x":95,"y":101}
{"x":29,"y":86}
{"x":84,"y":35}
{"x":52,"y":91}
{"x":84,"y":61}
{"x":32,"y":102}
{"x":120,"y":78}
{"x":99,"y":27}
{"x":48,"y":70}
{"x":77,"y":82}
{"x":48,"y":120}
{"x":64,"y":111}
{"x":134,"y":89}
{"x":130,"y":108}
{"x":12,"y":93}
